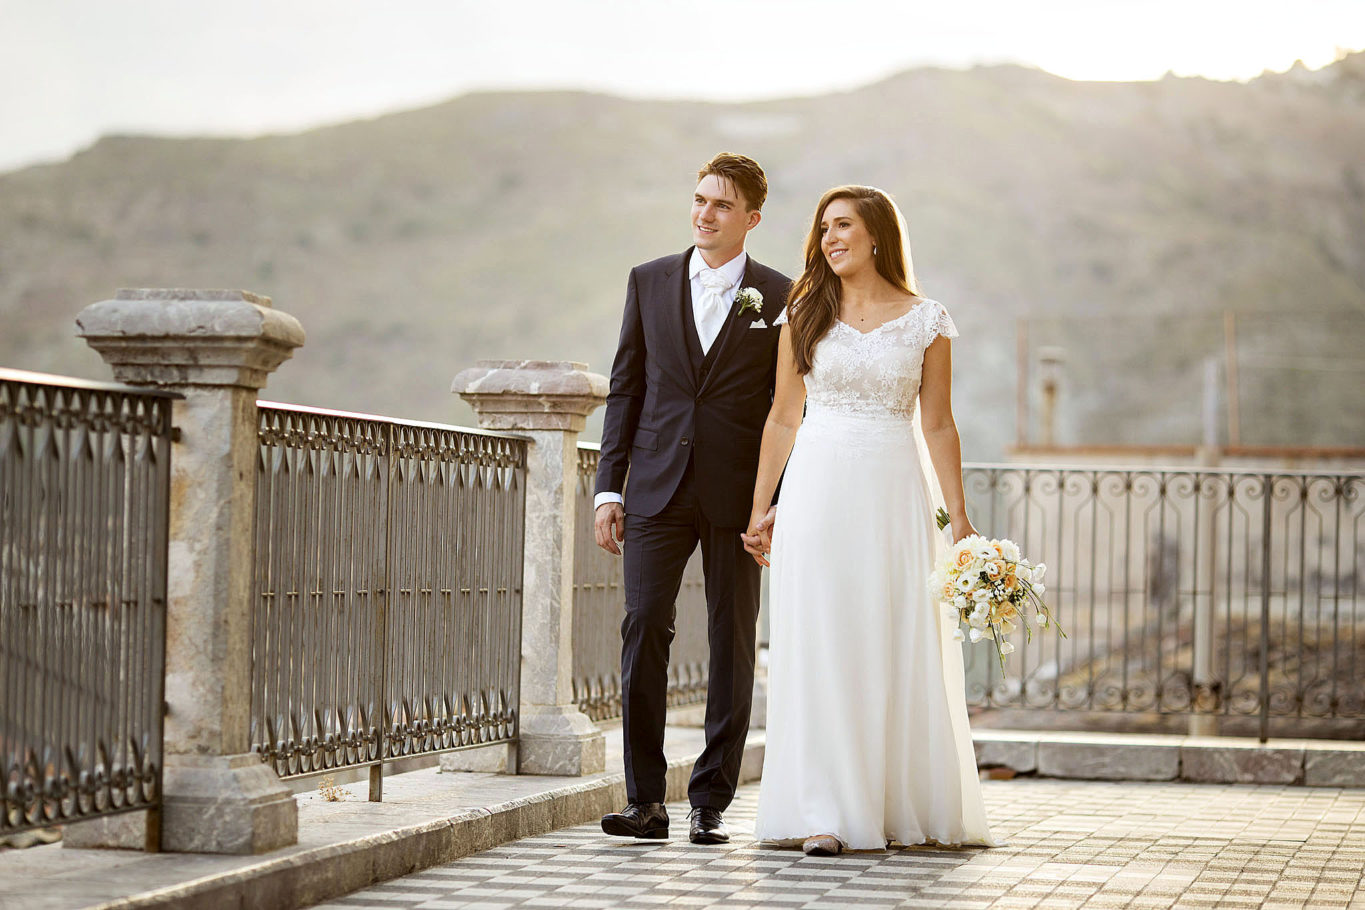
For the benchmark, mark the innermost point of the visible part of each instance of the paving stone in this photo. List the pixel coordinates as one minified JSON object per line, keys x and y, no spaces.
{"x":1018,"y":751}
{"x":1171,"y":845}
{"x":1139,"y":759}
{"x":1211,"y":760}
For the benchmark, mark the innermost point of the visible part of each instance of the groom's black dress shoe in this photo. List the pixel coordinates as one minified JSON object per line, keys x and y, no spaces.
{"x":648,"y":820}
{"x":707,"y":826}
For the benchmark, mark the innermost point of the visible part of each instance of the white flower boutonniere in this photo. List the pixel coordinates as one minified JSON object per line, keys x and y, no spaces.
{"x":749,"y":300}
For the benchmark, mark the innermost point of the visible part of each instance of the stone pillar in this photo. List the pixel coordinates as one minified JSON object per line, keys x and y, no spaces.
{"x":216,"y":348}
{"x":548,"y":401}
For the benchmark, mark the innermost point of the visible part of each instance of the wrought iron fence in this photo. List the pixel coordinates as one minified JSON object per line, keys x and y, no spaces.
{"x":388,"y":589}
{"x":84,"y":491}
{"x":1234,"y":595}
{"x":599,"y":607}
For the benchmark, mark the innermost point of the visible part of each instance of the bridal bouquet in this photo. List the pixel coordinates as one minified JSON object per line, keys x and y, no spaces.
{"x":991,"y":590}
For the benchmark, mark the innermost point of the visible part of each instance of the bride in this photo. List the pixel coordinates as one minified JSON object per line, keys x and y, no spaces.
{"x":867,"y":736}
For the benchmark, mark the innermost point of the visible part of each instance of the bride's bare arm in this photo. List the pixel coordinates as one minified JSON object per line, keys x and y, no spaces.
{"x":940,"y":431}
{"x":779,"y":435}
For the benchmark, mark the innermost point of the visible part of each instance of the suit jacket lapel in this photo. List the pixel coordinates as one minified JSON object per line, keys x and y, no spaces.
{"x":680,"y":318}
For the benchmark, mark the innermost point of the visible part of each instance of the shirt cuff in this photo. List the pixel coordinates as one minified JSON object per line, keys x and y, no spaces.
{"x":603,"y":498}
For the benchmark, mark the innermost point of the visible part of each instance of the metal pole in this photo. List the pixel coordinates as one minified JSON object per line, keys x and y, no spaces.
{"x":1205,"y":546}
{"x":1021,"y":392}
{"x":1268,"y":483}
{"x":1234,"y":408}
{"x":380,"y":641}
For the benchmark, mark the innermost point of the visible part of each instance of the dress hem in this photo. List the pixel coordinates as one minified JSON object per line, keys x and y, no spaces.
{"x":848,"y":845}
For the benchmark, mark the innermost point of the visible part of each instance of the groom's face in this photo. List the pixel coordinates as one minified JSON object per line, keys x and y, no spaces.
{"x":721,"y":218}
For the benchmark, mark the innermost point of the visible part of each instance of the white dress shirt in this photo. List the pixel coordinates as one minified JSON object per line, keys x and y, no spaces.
{"x":733,"y":272}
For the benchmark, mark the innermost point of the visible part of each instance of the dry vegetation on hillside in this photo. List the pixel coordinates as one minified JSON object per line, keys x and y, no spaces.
{"x":1123,"y":217}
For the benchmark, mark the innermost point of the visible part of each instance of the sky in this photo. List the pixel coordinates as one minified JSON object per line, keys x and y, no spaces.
{"x":73,"y":70}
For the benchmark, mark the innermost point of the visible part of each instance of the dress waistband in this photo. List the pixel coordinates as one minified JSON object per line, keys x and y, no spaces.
{"x":854,"y":429}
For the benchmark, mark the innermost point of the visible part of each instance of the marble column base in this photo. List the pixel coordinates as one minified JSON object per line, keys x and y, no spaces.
{"x":225,"y":804}
{"x":497,"y":759}
{"x":125,"y":831}
{"x":559,"y":740}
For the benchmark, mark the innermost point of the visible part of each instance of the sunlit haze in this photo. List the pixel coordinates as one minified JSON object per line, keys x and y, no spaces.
{"x":72,"y":70}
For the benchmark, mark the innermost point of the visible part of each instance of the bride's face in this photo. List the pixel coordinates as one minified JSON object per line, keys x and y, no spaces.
{"x":845,"y":239}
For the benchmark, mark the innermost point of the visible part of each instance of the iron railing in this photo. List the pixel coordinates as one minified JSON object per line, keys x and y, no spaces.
{"x":1234,"y":595}
{"x":599,"y":608}
{"x":388,"y":590}
{"x":84,"y":491}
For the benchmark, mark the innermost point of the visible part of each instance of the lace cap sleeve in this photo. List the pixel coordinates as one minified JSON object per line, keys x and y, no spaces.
{"x":937,"y":322}
{"x":781,"y":318}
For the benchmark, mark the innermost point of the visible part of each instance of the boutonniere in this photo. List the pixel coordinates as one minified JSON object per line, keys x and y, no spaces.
{"x":749,"y":299}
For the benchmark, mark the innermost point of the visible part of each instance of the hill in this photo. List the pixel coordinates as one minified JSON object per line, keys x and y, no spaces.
{"x":1122,"y":219}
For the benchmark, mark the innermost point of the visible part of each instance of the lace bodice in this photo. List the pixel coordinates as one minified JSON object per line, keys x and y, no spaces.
{"x":874,"y":374}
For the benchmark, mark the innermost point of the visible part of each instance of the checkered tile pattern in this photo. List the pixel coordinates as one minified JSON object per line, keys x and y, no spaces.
{"x":1070,"y":844}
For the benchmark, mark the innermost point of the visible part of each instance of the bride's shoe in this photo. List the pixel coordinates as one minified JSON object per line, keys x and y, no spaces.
{"x":822,"y":845}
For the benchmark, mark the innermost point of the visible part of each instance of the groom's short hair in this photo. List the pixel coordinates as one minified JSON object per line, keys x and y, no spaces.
{"x":743,"y":173}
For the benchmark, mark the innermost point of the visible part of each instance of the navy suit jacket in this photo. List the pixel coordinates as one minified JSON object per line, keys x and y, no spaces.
{"x":669,"y":403}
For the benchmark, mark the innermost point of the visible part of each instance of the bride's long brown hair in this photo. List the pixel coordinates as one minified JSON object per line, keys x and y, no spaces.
{"x":814,"y":299}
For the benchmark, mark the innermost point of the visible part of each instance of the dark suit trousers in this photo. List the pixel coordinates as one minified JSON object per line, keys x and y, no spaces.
{"x":656,"y":551}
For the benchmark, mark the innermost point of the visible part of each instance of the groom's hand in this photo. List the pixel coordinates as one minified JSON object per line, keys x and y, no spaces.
{"x":758,"y":538}
{"x":609,"y":524}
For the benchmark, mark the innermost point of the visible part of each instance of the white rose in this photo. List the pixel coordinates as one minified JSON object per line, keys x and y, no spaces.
{"x":974,"y":634}
{"x":1010,"y":550}
{"x":961,"y":602}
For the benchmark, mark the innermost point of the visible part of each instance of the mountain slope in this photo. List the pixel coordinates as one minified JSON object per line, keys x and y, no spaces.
{"x":1123,"y":219}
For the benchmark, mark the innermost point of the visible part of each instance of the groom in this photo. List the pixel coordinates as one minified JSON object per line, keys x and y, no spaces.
{"x":690,"y":390}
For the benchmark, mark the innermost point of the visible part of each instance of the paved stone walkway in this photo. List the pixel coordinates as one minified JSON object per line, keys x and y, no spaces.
{"x":1070,"y":844}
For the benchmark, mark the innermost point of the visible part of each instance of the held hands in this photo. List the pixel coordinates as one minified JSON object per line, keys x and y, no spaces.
{"x":758,"y":539}
{"x":609,"y":526}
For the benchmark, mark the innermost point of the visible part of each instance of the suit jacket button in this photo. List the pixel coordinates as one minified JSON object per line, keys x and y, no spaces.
{"x":684,"y":440}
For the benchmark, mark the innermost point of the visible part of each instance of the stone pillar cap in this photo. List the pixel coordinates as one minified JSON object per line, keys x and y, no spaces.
{"x":190,"y":336}
{"x":531,"y":394}
{"x":191,"y":294}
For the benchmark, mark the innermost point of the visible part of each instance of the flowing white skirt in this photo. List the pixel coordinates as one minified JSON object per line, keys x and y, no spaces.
{"x":867,"y":735}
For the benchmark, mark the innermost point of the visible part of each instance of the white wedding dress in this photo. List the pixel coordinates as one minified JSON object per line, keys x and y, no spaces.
{"x":867,"y":735}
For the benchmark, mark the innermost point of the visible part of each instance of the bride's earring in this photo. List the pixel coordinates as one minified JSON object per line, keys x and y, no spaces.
{"x":874,"y":249}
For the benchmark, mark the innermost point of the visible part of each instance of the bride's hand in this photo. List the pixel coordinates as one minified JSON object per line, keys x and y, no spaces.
{"x":758,"y":540}
{"x":962,"y":529}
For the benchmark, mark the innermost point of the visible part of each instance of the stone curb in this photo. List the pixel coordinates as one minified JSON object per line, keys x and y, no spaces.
{"x":311,"y":876}
{"x":1198,"y":759}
